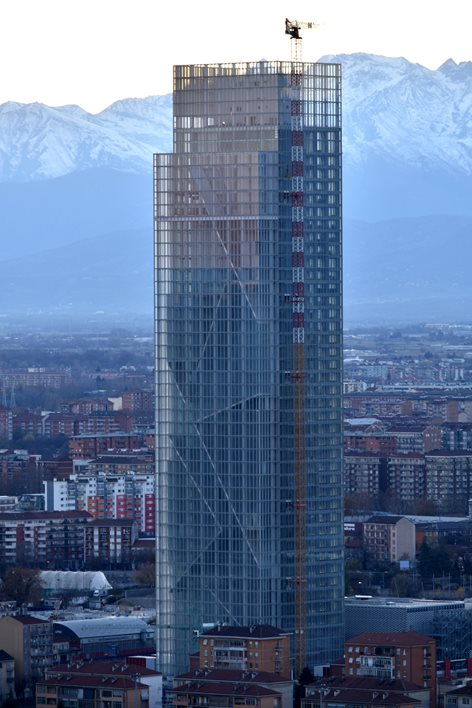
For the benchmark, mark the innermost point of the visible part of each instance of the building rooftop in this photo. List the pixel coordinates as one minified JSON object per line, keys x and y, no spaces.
{"x":342,"y":696}
{"x":369,"y":683}
{"x":112,"y":522}
{"x":225,"y":689}
{"x":94,"y":681}
{"x":233,"y":676}
{"x":409,"y":603}
{"x":103,"y":668}
{"x":410,"y":638}
{"x":104,"y":627}
{"x":387,"y":519}
{"x":449,"y":453}
{"x":43,"y":515}
{"x":361,"y":421}
{"x":462,"y":691}
{"x":28,"y":619}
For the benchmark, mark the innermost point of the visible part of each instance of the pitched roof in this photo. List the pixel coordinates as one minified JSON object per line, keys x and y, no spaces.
{"x":370,"y":683}
{"x":232,"y":676}
{"x":462,"y":691}
{"x":102,"y":668}
{"x":410,"y":638}
{"x":388,"y":519}
{"x":28,"y":619}
{"x":93,"y":681}
{"x":225,"y":689}
{"x":363,"y":696}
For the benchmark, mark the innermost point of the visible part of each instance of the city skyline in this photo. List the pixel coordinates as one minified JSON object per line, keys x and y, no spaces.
{"x":93,"y":54}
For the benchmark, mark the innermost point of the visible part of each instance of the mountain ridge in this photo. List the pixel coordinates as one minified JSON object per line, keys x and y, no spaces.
{"x":81,"y":184}
{"x":392,"y":109}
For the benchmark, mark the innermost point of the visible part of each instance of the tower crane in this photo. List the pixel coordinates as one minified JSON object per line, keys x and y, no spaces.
{"x":292,"y":28}
{"x":298,"y":580}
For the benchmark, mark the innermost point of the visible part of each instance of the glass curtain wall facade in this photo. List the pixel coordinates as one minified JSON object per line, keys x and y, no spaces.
{"x":248,"y":325}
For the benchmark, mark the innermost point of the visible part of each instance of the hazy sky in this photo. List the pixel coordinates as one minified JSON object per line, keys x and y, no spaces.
{"x":93,"y":52}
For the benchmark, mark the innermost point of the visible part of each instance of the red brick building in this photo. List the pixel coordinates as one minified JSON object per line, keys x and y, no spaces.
{"x":87,"y":447}
{"x":255,"y":648}
{"x":410,"y":656}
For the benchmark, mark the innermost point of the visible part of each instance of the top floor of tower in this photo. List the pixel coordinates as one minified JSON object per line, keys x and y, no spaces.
{"x":243,"y":106}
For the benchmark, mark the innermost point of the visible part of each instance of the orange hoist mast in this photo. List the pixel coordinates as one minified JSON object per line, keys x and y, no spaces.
{"x":299,"y":578}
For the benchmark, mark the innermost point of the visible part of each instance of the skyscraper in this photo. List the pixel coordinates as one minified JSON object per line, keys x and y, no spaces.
{"x":249,"y":357}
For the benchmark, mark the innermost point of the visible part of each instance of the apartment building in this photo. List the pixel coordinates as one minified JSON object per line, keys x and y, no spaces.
{"x":90,"y":446}
{"x":410,"y":656}
{"x":254,"y":648}
{"x":449,"y":478}
{"x":364,"y":473}
{"x":29,"y":641}
{"x":109,"y":692}
{"x":405,"y":475}
{"x":53,"y":539}
{"x":107,"y":495}
{"x":110,"y":541}
{"x":390,"y":538}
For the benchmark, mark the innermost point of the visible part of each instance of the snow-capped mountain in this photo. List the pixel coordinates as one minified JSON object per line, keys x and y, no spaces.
{"x":39,"y":142}
{"x":405,"y":113}
{"x":76,"y":195}
{"x":394,"y":111}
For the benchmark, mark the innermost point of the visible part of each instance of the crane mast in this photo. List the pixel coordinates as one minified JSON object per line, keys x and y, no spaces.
{"x":299,"y":578}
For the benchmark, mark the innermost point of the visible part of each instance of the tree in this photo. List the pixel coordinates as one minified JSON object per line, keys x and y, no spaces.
{"x":22,"y":585}
{"x":424,"y":560}
{"x":433,"y":561}
{"x":145,"y":574}
{"x":306,"y":677}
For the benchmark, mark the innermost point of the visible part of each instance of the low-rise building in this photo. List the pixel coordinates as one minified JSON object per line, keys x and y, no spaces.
{"x":390,"y":538}
{"x":449,"y":478}
{"x":459,"y":697}
{"x":112,"y":670}
{"x":110,"y":541}
{"x":88,"y":447}
{"x":409,"y":656}
{"x":107,"y":494}
{"x":107,"y":636}
{"x":49,"y":539}
{"x":364,"y":473}
{"x":406,"y":476}
{"x":229,"y":695}
{"x":7,"y":676}
{"x":252,"y":648}
{"x":209,"y":677}
{"x":115,"y":692}
{"x":448,"y":621}
{"x":351,"y":693}
{"x":29,"y":641}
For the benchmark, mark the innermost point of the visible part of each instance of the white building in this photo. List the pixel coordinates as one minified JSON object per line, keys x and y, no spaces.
{"x":127,"y":495}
